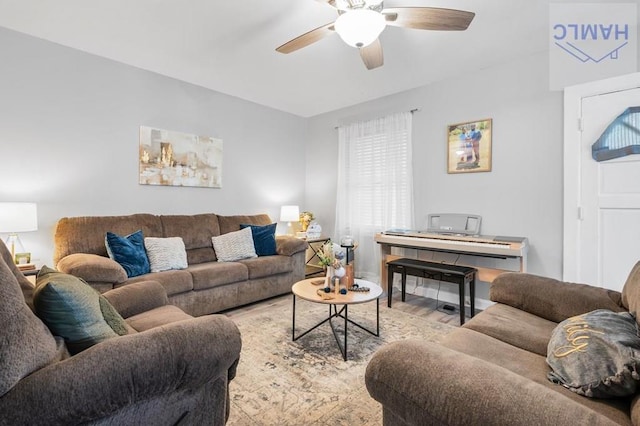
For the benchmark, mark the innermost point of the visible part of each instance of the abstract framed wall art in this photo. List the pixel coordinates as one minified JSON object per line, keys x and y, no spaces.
{"x":469,"y":146}
{"x":171,"y":158}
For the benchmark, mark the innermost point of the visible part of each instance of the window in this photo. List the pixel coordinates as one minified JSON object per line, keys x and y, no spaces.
{"x":375,"y":184}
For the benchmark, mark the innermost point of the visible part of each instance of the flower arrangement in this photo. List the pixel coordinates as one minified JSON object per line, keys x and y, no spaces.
{"x":305,"y":220}
{"x":331,"y":255}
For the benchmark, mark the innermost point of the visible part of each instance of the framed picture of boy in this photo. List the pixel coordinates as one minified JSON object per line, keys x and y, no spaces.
{"x":469,"y":146}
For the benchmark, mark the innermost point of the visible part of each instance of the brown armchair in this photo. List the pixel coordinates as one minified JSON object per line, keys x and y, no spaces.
{"x":170,"y":369}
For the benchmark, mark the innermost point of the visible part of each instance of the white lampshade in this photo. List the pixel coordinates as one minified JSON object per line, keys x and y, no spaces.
{"x":360,"y":27}
{"x":289,"y":214}
{"x":18,"y":217}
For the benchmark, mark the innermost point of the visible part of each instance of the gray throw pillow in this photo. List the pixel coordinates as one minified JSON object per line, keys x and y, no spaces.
{"x":234,"y":246}
{"x":596,"y":354}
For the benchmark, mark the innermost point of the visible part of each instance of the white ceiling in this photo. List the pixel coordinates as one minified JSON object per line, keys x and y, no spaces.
{"x":229,"y":46}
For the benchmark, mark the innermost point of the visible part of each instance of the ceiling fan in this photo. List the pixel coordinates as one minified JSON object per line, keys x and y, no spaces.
{"x":360,"y":22}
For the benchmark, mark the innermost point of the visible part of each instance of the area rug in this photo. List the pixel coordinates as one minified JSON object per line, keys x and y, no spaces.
{"x":307,"y":382}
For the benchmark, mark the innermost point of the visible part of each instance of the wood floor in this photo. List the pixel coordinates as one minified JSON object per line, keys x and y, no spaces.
{"x":416,"y":305}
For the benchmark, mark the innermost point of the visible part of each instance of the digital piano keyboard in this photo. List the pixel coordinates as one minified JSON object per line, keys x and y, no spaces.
{"x":482,"y":245}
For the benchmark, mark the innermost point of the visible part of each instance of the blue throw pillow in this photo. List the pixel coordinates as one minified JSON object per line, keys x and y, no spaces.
{"x":264,"y":238}
{"x":128,"y":252}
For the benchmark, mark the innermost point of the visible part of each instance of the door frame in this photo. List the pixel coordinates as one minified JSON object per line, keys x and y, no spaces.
{"x":572,"y":208}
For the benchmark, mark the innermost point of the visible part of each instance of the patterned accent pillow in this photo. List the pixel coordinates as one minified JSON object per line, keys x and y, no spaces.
{"x":596,"y":354}
{"x":166,"y":253}
{"x":234,"y":246}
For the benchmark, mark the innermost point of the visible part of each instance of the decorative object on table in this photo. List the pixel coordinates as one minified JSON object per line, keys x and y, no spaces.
{"x":314,"y":230}
{"x":169,"y":158}
{"x":15,"y":218}
{"x":349,"y":245}
{"x":289,"y":214}
{"x":305,"y":220}
{"x":331,"y":256}
{"x":346,"y":241}
{"x":469,"y":146}
{"x":325,"y":295}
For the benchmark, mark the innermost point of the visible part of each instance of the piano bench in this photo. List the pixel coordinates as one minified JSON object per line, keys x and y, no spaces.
{"x":442,"y":272}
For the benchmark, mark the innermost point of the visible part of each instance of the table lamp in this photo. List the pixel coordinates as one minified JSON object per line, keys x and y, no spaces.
{"x":289,"y":214}
{"x":14,"y":218}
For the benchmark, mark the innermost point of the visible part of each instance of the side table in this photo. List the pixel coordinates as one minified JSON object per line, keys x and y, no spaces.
{"x":314,"y":245}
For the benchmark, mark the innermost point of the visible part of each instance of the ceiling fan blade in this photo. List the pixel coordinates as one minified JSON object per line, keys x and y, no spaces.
{"x":372,"y":55}
{"x":306,"y":39}
{"x":428,"y":18}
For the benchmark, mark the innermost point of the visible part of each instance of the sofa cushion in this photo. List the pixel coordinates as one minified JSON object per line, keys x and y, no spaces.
{"x":174,"y":281}
{"x":234,"y":246}
{"x":264,"y":238}
{"x":514,"y":326}
{"x":85,"y":234}
{"x":75,"y":311}
{"x":196,"y":231}
{"x":157,"y":317}
{"x":215,"y":274}
{"x":27,"y":345}
{"x":532,"y":367}
{"x":267,"y":266}
{"x":129,"y":252}
{"x":548,"y":298}
{"x":165,"y":253}
{"x":232,"y":223}
{"x":596,"y":354}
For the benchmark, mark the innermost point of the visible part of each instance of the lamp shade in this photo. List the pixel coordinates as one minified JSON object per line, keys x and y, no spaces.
{"x":289,"y":214}
{"x":18,"y":217}
{"x":360,"y":27}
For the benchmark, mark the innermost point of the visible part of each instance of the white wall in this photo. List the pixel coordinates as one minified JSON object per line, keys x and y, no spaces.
{"x":69,"y":135}
{"x":69,"y":125}
{"x":521,"y":196}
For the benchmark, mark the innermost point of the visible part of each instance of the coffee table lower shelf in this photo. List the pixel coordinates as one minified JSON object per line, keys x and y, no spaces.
{"x":335,"y":313}
{"x":307,"y":291}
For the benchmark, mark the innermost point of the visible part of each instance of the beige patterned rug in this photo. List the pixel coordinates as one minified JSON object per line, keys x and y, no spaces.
{"x":306,"y":382}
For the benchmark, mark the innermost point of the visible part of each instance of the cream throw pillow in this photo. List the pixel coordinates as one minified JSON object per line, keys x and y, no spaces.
{"x":165,"y":253}
{"x":234,"y":246}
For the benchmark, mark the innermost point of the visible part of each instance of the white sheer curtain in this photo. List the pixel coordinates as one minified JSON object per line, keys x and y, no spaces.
{"x":375,"y":185}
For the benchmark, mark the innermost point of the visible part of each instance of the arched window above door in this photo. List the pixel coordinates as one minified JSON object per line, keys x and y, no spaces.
{"x":620,"y":138}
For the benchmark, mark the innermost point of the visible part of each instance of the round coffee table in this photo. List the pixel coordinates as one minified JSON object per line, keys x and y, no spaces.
{"x":306,"y":290}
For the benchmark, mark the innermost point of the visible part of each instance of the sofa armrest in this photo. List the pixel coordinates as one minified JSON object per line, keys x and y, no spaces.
{"x":426,"y":383}
{"x":123,"y":371}
{"x":136,"y":298}
{"x":93,"y":268}
{"x":288,"y":246}
{"x":549,"y":298}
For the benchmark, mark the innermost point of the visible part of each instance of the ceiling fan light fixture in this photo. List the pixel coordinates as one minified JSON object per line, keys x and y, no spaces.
{"x":360,"y":27}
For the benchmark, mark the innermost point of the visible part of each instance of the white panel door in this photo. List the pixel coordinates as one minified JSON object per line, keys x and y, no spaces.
{"x":609,"y":232}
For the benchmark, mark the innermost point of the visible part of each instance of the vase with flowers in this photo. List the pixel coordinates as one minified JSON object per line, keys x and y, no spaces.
{"x":305,"y":220}
{"x":331,"y":256}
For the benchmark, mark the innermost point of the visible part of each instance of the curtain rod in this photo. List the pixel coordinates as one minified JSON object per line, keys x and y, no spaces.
{"x":411,"y":111}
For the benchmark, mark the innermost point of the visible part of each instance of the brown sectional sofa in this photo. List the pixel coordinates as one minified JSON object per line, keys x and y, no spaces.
{"x":206,"y":285}
{"x":493,"y":370}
